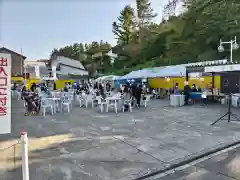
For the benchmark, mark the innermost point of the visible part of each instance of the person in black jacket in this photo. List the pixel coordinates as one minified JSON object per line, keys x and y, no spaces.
{"x":54,"y":86}
{"x":194,"y":88}
{"x":133,"y":88}
{"x":138,"y":94}
{"x":33,"y":87}
{"x":95,"y":86}
{"x":187,"y":91}
{"x":108,"y":87}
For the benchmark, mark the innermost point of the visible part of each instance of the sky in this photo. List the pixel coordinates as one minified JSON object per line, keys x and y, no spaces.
{"x":38,"y":26}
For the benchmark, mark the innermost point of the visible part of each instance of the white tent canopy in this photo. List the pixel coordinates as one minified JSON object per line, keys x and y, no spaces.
{"x":165,"y":71}
{"x":145,"y":73}
{"x":107,"y":78}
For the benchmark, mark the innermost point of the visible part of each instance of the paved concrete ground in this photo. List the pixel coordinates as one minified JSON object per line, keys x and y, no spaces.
{"x":224,"y":166}
{"x":90,"y":145}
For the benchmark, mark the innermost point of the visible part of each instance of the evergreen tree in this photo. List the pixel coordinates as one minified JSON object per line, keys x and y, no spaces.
{"x":125,"y":25}
{"x":145,"y":13}
{"x":81,"y":48}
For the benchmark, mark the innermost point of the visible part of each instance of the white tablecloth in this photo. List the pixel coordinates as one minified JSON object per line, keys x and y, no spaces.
{"x":113,"y":98}
{"x":177,"y":100}
{"x":236,"y":95}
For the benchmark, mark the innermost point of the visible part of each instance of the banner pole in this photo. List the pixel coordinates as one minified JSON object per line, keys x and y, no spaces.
{"x":24,"y":144}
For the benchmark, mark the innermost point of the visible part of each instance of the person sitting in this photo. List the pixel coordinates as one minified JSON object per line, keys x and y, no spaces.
{"x":43,"y":87}
{"x":125,"y":93}
{"x":101,"y":91}
{"x":65,"y":89}
{"x":194,"y":89}
{"x":121,"y":89}
{"x":69,"y":85}
{"x":198,"y":89}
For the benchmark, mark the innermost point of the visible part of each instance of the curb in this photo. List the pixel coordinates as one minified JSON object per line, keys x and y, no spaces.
{"x":190,"y":160}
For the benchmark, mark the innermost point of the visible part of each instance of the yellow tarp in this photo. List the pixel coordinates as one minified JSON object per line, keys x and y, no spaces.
{"x":59,"y":83}
{"x":17,"y":79}
{"x":163,"y":83}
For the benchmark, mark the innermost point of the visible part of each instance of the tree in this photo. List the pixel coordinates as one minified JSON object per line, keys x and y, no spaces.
{"x":54,"y":52}
{"x":145,"y":13}
{"x":190,"y":36}
{"x":83,"y":53}
{"x":170,"y":8}
{"x":125,"y":25}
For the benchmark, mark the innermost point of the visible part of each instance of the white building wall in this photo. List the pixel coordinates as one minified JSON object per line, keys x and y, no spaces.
{"x":70,"y":62}
{"x":65,"y":68}
{"x":69,"y":70}
{"x":38,"y":69}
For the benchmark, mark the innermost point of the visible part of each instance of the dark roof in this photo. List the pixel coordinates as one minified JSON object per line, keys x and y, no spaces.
{"x":43,"y":60}
{"x":12,"y":52}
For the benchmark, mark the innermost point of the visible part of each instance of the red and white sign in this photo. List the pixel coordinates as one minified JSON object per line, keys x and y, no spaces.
{"x":5,"y":93}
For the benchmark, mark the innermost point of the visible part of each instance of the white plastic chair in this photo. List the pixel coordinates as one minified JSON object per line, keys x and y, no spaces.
{"x":94,"y":101}
{"x":71,"y":96}
{"x":46,"y":104}
{"x":112,"y":103}
{"x":88,"y":99}
{"x":18,"y":95}
{"x":148,"y":97}
{"x":58,"y":103}
{"x":80,"y":100}
{"x":101,"y":103}
{"x":66,"y":102}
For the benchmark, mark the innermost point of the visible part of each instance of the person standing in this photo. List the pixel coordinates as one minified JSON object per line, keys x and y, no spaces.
{"x":54,"y":86}
{"x":187,"y":91}
{"x":138,"y":95}
{"x":133,"y":88}
{"x":176,"y":89}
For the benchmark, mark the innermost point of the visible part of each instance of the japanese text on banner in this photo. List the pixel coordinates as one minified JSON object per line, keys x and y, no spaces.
{"x":3,"y":86}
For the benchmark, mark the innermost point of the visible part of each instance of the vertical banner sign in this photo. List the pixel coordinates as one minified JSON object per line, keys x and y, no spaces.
{"x":5,"y":93}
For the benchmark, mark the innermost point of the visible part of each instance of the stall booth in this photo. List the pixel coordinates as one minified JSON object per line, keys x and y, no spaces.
{"x":229,"y":78}
{"x":139,"y":77}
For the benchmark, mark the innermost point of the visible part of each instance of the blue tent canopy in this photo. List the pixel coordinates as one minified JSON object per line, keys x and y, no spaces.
{"x":125,"y":81}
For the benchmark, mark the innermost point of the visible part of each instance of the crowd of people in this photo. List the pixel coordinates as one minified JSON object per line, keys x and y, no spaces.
{"x":130,"y":91}
{"x":186,"y":91}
